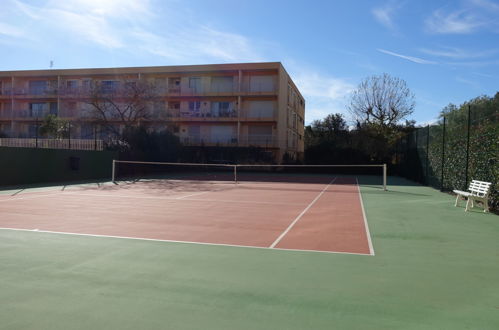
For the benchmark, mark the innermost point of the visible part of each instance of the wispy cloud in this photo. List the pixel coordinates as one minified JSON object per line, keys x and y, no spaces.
{"x":472,"y":16}
{"x":468,"y":82}
{"x":406,"y":57}
{"x":123,"y":9}
{"x":205,"y":43}
{"x":125,"y":25}
{"x":456,"y":22}
{"x":458,"y":53}
{"x":384,"y":16}
{"x":487,"y":5}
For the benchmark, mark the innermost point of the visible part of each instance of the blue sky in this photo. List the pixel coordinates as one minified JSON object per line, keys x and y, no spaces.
{"x":446,"y":51}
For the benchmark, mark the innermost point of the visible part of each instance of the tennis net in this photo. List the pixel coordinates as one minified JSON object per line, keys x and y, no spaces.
{"x":233,"y":173}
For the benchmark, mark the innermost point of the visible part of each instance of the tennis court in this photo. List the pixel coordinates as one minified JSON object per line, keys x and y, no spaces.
{"x":204,"y":257}
{"x":325,"y":214}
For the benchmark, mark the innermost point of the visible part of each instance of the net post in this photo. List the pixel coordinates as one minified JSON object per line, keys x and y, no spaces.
{"x":384,"y":177}
{"x":235,"y":174}
{"x":113,"y":171}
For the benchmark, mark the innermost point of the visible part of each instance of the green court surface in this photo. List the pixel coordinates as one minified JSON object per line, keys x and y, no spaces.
{"x":436,"y":267}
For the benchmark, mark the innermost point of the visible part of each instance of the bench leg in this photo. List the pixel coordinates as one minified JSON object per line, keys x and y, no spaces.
{"x":470,"y":201}
{"x":457,"y":200}
{"x":486,"y":205}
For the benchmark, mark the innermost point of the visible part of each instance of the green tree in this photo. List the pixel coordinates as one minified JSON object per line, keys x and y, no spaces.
{"x":55,"y":127}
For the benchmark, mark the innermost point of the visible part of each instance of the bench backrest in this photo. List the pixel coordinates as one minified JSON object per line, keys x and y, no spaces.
{"x":479,"y":188}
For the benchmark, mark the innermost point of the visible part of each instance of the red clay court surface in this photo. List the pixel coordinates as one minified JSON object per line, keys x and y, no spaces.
{"x":326,"y":216}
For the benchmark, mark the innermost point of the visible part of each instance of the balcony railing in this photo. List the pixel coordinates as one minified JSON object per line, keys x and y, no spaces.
{"x":48,"y":91}
{"x":264,"y":141}
{"x":32,"y":113}
{"x":73,"y":144}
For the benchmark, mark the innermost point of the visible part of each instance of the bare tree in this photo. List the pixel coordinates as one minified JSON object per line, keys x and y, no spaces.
{"x":118,"y":105}
{"x":383,"y":100}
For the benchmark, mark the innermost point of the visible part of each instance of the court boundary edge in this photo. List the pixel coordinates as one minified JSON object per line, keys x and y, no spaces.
{"x":366,"y":225}
{"x":175,"y":241}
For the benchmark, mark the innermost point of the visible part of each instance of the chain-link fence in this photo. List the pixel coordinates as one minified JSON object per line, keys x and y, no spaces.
{"x":462,"y":146}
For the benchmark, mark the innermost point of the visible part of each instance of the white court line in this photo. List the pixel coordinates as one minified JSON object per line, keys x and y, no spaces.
{"x":173,"y":241}
{"x":31,"y":197}
{"x":368,"y":233}
{"x":195,"y":194}
{"x":299,"y":216}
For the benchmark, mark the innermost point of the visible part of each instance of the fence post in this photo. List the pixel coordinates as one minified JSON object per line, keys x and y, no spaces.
{"x":36,"y":133}
{"x":428,"y":156}
{"x":69,"y":135}
{"x":384,"y":177}
{"x":467,"y":149}
{"x":443,"y":158}
{"x":95,"y":137}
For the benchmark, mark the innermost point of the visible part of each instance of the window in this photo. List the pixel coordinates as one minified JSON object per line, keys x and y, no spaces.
{"x":87,"y":83}
{"x":195,"y":84}
{"x":37,"y":87}
{"x":222,"y":84}
{"x":38,"y":109}
{"x":194,"y":106}
{"x":108,"y":86}
{"x":221,"y":134}
{"x":221,"y":109}
{"x":260,"y":109}
{"x":174,"y":85}
{"x":262,"y":83}
{"x":72,"y":85}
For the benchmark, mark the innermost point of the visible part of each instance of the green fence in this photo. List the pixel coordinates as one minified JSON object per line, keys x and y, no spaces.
{"x":20,"y":166}
{"x":463,"y":146}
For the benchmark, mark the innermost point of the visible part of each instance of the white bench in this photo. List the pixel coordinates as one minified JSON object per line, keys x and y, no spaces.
{"x":478,"y":191}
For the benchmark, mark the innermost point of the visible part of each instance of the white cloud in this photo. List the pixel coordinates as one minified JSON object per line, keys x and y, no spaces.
{"x":409,"y":58}
{"x":324,"y":94}
{"x":197,"y":44}
{"x":126,"y":25}
{"x":92,"y":28}
{"x":470,"y":17}
{"x":386,"y":14}
{"x":487,"y":5}
{"x":122,"y":9}
{"x":456,"y":22}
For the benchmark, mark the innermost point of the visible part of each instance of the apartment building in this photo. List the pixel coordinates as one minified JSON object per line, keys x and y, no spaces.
{"x":247,"y":104}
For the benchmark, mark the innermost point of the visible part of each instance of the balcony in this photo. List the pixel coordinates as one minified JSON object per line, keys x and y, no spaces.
{"x":5,"y":93}
{"x":262,"y":141}
{"x":35,"y":92}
